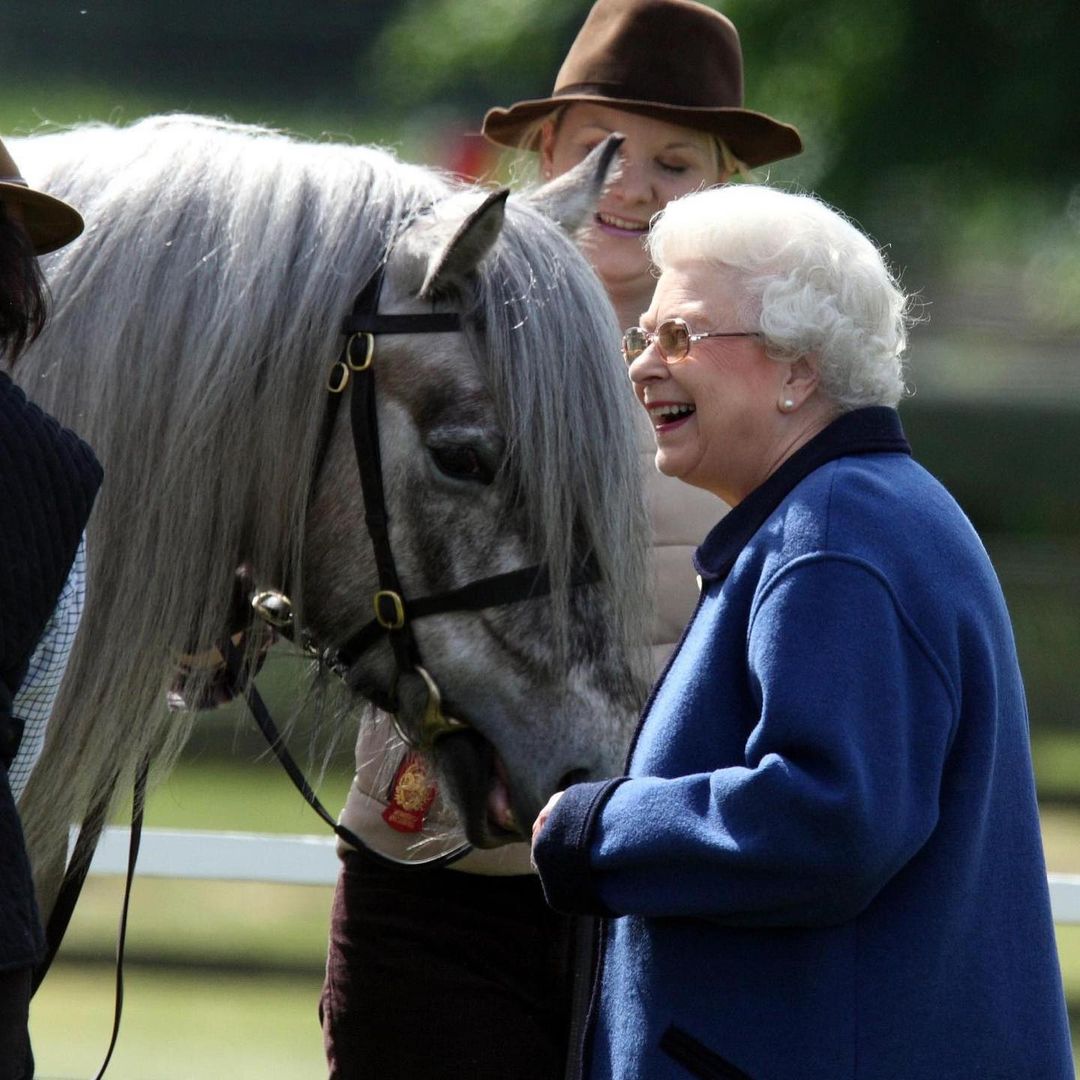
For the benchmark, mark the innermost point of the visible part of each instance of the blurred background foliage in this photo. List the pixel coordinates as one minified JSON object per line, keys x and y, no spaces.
{"x":950,"y":132}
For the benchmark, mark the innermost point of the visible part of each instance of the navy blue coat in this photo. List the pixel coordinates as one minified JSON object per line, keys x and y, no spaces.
{"x":825,"y":860}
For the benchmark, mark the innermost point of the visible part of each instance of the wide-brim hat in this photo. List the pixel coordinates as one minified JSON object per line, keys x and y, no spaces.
{"x":675,"y":60}
{"x":49,"y":222}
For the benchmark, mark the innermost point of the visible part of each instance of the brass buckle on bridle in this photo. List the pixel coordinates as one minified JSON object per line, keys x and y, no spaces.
{"x":395,"y":620}
{"x":338,"y":379}
{"x":434,"y":723}
{"x":368,"y":355}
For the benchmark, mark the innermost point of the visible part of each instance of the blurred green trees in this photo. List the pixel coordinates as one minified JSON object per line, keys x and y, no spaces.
{"x":950,"y":131}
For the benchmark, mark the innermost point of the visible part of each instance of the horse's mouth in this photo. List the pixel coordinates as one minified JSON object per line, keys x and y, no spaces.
{"x":480,"y":786}
{"x":500,"y":810}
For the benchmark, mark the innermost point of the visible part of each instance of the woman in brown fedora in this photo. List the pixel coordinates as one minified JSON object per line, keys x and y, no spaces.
{"x":48,"y":480}
{"x":667,"y":75}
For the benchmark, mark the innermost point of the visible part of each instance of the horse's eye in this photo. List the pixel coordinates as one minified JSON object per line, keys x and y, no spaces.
{"x":462,"y":463}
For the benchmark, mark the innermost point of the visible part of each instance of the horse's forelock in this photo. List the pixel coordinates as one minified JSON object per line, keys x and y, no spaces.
{"x":552,"y":357}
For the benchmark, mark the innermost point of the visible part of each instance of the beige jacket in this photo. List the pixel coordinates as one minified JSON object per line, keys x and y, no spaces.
{"x":681,"y":516}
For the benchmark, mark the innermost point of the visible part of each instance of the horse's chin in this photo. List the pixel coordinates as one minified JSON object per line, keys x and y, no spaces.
{"x":476,"y":781}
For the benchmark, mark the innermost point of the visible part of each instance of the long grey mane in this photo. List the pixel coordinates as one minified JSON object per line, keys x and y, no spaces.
{"x":565,"y":408}
{"x":192,"y":331}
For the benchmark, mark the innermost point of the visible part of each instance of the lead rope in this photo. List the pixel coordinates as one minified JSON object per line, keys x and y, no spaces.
{"x":138,"y":805}
{"x":74,"y":879}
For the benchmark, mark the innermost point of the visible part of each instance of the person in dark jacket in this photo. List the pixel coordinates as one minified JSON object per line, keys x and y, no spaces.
{"x":48,"y":480}
{"x":824,"y":859}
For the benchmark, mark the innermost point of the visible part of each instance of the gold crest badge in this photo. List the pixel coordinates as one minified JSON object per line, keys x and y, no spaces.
{"x":412,"y":791}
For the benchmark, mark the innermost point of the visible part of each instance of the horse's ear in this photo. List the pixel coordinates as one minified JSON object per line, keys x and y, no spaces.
{"x":470,"y":243}
{"x":570,"y":199}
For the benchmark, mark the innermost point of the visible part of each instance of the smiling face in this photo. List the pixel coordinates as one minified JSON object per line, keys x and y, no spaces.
{"x":659,"y":162}
{"x":717,"y":415}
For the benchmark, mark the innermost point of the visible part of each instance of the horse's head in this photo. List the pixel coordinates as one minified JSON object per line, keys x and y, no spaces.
{"x":204,"y":301}
{"x":505,"y":444}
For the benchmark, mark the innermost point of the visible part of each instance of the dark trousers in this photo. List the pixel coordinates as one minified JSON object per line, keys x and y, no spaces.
{"x":16,"y":1061}
{"x":444,"y":975}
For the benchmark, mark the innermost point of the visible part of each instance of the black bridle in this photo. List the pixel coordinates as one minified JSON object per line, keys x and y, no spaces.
{"x":394,"y":614}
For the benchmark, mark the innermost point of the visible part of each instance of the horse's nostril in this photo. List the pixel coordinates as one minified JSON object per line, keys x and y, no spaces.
{"x":574,"y":776}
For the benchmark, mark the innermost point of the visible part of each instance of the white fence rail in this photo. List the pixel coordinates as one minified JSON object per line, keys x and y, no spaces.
{"x":221,"y":856}
{"x":310,"y":860}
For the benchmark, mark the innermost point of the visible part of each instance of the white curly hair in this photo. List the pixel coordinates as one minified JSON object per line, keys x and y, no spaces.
{"x":815,"y":284}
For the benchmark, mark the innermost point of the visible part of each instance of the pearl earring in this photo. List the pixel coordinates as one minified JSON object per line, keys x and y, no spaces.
{"x":787,"y":404}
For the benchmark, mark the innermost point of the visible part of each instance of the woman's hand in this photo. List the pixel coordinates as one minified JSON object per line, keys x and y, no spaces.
{"x":541,"y":818}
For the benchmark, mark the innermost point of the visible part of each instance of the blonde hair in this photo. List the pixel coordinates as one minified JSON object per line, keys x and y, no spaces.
{"x":733,"y":166}
{"x":524,"y":159}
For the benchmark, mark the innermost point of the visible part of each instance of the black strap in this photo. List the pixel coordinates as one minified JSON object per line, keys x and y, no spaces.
{"x":365,"y":430}
{"x":261,"y":715}
{"x":434,"y":322}
{"x":366,"y":319}
{"x":137,"y":808}
{"x":526,"y":583}
{"x":75,"y":878}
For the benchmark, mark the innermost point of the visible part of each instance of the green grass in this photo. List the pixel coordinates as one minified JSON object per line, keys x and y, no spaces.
{"x":179,"y":1025}
{"x":222,"y":978}
{"x":1068,"y":943}
{"x":1061,"y":837}
{"x":255,"y":797}
{"x":225,"y":925}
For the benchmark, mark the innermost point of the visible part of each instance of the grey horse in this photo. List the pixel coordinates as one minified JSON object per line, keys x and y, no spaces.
{"x":194,"y":327}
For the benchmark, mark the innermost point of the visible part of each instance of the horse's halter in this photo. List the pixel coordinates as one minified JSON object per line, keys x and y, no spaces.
{"x":356,"y":365}
{"x":414,"y":692}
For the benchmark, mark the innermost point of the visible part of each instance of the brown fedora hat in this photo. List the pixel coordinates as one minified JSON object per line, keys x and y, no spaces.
{"x":676,"y":60}
{"x":49,"y":222}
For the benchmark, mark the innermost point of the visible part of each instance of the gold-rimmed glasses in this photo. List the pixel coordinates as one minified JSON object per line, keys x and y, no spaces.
{"x":673,"y":338}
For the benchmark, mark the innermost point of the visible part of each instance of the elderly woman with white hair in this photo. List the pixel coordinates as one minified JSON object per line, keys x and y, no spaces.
{"x":824,"y":860}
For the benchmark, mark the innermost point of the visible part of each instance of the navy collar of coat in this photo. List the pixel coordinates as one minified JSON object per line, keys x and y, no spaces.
{"x":873,"y":430}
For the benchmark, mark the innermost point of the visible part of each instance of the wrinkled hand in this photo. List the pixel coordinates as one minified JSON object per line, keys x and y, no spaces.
{"x":541,"y":818}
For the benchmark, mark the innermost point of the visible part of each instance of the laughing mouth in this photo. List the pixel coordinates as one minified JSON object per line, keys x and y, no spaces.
{"x":662,"y":415}
{"x":611,"y":221}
